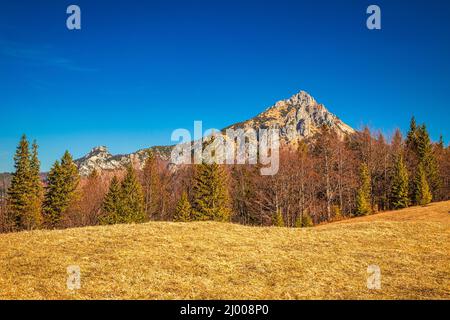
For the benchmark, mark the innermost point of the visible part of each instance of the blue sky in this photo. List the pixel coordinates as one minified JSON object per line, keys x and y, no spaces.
{"x":137,"y":70}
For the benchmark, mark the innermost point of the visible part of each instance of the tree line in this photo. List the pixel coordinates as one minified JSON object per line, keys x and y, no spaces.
{"x":321,"y":179}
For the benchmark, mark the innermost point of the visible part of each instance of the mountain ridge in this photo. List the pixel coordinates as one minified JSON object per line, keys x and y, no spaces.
{"x":298,"y":117}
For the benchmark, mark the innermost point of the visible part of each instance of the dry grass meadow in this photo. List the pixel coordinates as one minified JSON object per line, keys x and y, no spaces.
{"x":161,"y":260}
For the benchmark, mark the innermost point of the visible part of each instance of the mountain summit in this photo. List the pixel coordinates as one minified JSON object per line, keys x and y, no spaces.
{"x":298,"y":118}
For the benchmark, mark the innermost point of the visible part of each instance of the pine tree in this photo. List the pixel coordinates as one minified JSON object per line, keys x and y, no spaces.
{"x":54,"y":200}
{"x":111,"y":203}
{"x":210,"y":194}
{"x":422,"y":194}
{"x":183,"y":209}
{"x":131,"y":199}
{"x":411,"y":138}
{"x":411,"y":155}
{"x":62,"y":184}
{"x":419,"y":152}
{"x":70,"y":173}
{"x":21,"y":189}
{"x":399,"y":190}
{"x":363,"y":197}
{"x":427,"y":158}
{"x":34,"y":217}
{"x":35,"y":171}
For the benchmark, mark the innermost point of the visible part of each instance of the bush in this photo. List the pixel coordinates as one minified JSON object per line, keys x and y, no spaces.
{"x":304,"y":221}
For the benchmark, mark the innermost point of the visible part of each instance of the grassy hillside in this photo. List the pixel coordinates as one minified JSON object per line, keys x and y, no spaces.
{"x":208,"y":260}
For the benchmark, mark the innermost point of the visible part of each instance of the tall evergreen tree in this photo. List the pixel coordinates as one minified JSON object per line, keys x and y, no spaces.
{"x":427,"y":158}
{"x":422,"y":194}
{"x":399,"y":190}
{"x":183,"y":210}
{"x":111,"y":204}
{"x":54,"y":197}
{"x":419,"y":152}
{"x":210,"y":194}
{"x":62,"y":183}
{"x":35,"y":167}
{"x":23,"y":209}
{"x":411,"y":137}
{"x":411,"y":155}
{"x":35,"y":218}
{"x":363,"y":197}
{"x":131,"y":199}
{"x":70,"y":173}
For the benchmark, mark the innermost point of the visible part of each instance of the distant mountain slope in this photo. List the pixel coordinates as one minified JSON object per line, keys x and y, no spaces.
{"x":298,"y":117}
{"x":100,"y":159}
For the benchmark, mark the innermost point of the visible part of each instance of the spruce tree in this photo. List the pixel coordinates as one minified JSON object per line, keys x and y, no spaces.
{"x":21,"y":190}
{"x":54,"y":200}
{"x":111,"y":204}
{"x":363,"y":197}
{"x":62,"y":183}
{"x":427,"y":158}
{"x":422,"y":194}
{"x":183,"y":209}
{"x":399,"y":190}
{"x":35,"y":167}
{"x":34,"y":217}
{"x":131,"y":199}
{"x":411,"y":137}
{"x":210,"y":194}
{"x":411,"y":155}
{"x":419,"y":152}
{"x":70,"y":174}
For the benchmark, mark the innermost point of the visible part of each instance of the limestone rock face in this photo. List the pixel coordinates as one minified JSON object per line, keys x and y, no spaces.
{"x":100,"y":159}
{"x":297,"y":118}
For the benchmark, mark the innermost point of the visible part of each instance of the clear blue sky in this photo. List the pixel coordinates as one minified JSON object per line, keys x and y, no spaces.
{"x":139,"y":69}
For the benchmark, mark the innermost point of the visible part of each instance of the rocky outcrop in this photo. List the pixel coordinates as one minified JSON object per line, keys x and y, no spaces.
{"x":298,"y":117}
{"x":100,"y":159}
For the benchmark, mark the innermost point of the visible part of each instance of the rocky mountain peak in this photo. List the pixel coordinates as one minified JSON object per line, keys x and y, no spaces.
{"x":99,"y":151}
{"x":298,"y":118}
{"x":99,"y":158}
{"x":298,"y":100}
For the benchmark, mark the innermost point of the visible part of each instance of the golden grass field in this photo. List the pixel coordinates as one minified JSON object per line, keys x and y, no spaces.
{"x":206,"y":260}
